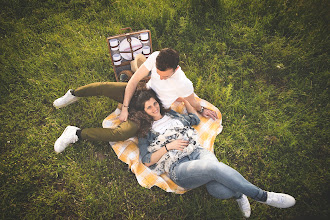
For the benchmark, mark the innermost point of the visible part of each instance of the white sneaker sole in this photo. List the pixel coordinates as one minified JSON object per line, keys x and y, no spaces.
{"x":289,"y":201}
{"x":246,"y":213}
{"x":66,"y":104}
{"x":59,"y":146}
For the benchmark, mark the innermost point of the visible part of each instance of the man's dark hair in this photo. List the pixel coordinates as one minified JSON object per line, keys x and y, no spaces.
{"x":167,"y":59}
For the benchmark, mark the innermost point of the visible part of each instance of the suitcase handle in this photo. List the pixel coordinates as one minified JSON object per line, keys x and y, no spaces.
{"x":127,"y":28}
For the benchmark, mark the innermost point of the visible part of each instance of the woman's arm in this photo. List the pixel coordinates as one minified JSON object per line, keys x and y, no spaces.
{"x":193,"y":102}
{"x":174,"y":145}
{"x":192,"y":117}
{"x":189,"y":108}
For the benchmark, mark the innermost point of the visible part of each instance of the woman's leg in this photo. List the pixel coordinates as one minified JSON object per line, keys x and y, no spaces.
{"x":203,"y":167}
{"x":122,"y":132}
{"x":220,"y":191}
{"x":113,"y":90}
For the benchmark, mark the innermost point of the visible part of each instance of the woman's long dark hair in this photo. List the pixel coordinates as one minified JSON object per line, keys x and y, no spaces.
{"x":137,"y":113}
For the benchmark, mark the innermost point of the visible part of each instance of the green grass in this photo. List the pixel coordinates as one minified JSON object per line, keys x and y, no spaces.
{"x":264,"y":64}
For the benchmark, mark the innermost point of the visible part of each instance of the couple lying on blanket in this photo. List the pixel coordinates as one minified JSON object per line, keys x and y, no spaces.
{"x":169,"y":144}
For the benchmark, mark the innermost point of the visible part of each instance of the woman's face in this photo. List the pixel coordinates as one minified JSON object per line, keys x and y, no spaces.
{"x":151,"y":107}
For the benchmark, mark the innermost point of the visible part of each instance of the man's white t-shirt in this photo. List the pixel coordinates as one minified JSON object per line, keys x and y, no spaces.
{"x":168,"y":90}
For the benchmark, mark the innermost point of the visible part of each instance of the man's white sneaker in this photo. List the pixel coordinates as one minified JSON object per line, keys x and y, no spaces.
{"x":68,"y":136}
{"x":65,"y":100}
{"x":279,"y":200}
{"x":244,"y":206}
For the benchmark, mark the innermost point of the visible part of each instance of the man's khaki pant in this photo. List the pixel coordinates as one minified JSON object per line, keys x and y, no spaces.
{"x":115,"y":91}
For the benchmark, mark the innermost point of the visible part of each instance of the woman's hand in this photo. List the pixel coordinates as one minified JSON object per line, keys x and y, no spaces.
{"x":174,"y":145}
{"x":177,"y":145}
{"x":189,"y":108}
{"x":123,"y":115}
{"x":180,"y":99}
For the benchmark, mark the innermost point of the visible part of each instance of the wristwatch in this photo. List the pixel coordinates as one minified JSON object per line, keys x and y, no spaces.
{"x":202,"y":109}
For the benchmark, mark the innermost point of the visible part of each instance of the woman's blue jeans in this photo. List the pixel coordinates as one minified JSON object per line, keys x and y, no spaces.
{"x":223,"y":182}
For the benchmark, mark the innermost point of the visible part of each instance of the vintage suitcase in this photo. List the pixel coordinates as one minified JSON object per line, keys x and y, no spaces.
{"x":124,"y":47}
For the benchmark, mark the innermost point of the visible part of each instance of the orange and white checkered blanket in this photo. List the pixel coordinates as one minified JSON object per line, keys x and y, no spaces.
{"x":128,"y":151}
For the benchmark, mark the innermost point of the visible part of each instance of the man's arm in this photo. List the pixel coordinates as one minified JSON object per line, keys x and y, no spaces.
{"x":130,"y":89}
{"x":206,"y":112}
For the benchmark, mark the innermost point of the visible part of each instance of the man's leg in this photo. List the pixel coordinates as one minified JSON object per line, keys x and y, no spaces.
{"x":72,"y":134}
{"x":124,"y":131}
{"x":113,"y":90}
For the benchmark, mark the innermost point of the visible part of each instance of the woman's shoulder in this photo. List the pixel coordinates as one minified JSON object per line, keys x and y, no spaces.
{"x":176,"y":115}
{"x":191,"y":118}
{"x":151,"y":135}
{"x":172,"y":113}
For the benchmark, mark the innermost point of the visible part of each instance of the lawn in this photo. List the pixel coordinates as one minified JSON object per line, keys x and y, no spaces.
{"x":264,"y":64}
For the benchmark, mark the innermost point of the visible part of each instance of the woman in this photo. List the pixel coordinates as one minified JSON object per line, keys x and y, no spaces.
{"x":168,"y":144}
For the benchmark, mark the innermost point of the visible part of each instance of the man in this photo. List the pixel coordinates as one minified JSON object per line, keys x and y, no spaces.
{"x":167,"y":80}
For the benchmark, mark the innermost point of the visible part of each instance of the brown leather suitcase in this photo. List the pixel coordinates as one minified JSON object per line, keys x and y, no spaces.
{"x":124,"y":47}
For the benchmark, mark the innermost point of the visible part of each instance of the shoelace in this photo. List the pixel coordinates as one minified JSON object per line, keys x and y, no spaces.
{"x":75,"y":138}
{"x":278,"y":199}
{"x":69,"y":139}
{"x":244,"y":204}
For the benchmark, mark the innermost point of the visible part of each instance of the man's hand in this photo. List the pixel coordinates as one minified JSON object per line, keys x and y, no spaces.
{"x":208,"y":113}
{"x":130,"y":89}
{"x":123,"y":115}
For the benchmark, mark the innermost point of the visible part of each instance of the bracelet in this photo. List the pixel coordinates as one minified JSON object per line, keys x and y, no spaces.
{"x":166,"y":147}
{"x":126,"y":106}
{"x":202,"y":109}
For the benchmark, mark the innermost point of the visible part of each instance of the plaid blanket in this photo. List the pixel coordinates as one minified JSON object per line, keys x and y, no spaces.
{"x":128,"y":151}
